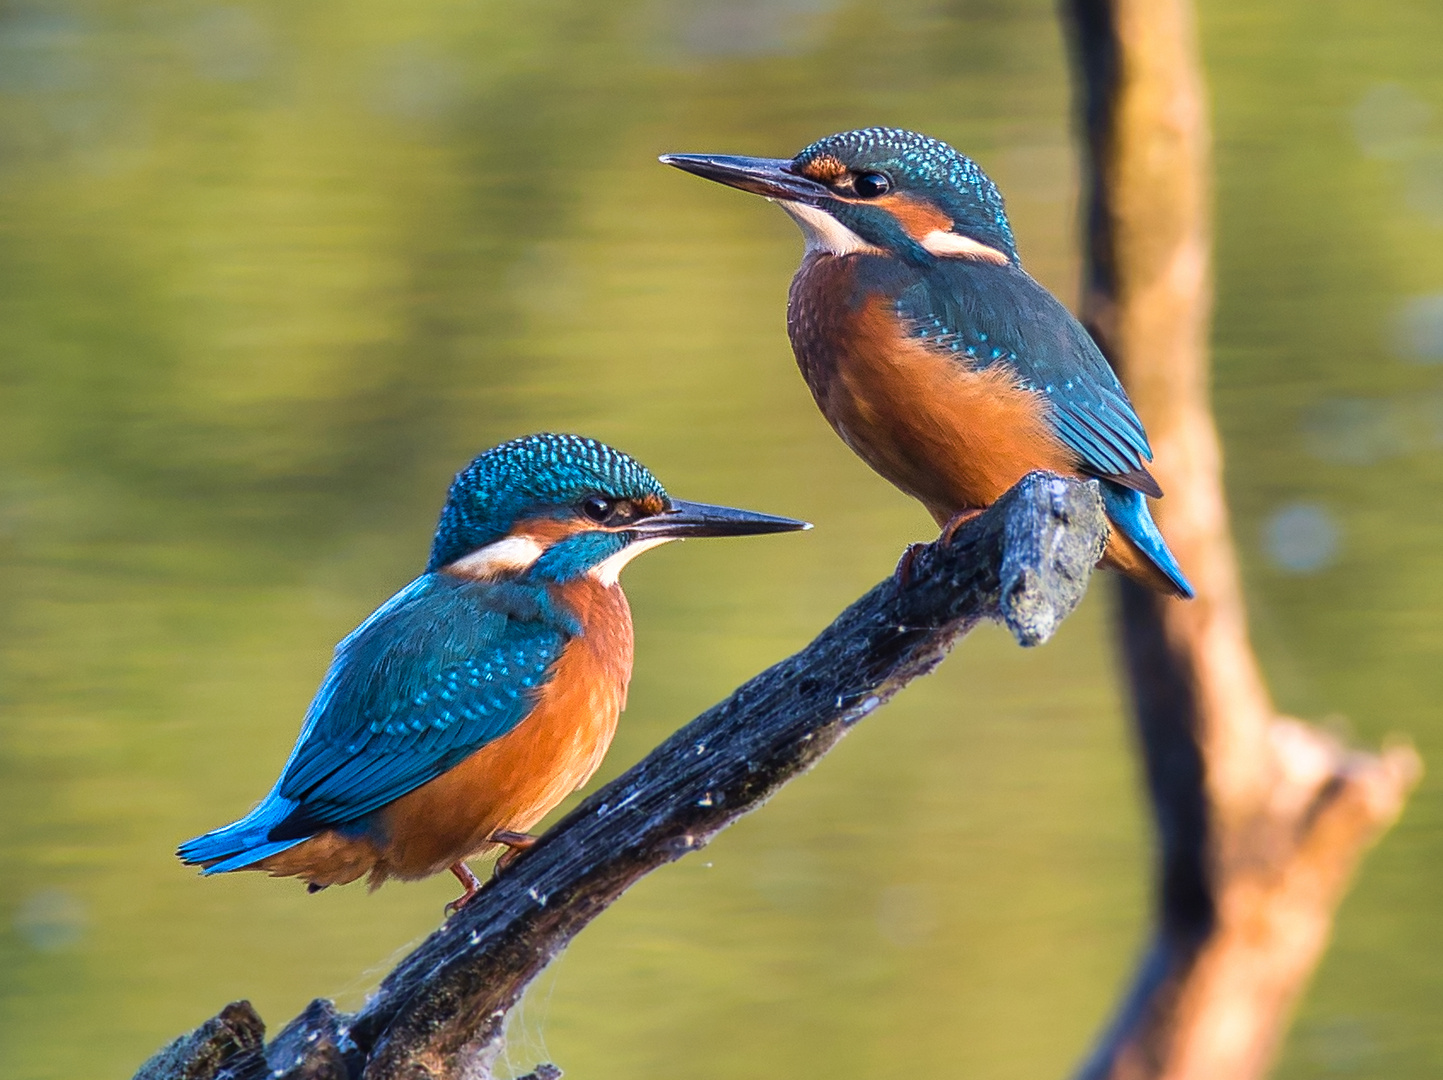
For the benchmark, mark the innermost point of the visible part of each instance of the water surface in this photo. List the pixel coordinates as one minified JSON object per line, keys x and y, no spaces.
{"x":270,"y":273}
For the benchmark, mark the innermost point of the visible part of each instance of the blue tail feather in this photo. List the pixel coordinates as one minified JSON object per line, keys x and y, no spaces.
{"x":1127,"y":510}
{"x":241,"y":843}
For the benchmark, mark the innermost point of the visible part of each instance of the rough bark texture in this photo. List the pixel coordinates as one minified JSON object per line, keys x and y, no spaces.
{"x":441,"y":1012}
{"x":236,"y":1032}
{"x":1261,"y":819}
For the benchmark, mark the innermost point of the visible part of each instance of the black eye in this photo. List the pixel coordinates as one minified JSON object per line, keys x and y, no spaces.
{"x":597,"y":508}
{"x":869,"y":185}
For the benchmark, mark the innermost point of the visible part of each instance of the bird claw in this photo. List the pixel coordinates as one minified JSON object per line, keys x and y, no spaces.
{"x":962,"y":517}
{"x":458,"y":903}
{"x":470,"y":881}
{"x":949,"y":532}
{"x":516,"y":843}
{"x":904,"y":564}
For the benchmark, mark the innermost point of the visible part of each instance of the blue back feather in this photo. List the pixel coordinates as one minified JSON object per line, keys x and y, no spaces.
{"x":442,"y":672}
{"x":985,"y":314}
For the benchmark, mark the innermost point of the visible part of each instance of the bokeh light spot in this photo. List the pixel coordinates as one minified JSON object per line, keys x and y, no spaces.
{"x":1418,"y":329}
{"x":41,"y":52}
{"x":1356,"y":431}
{"x":50,"y":920}
{"x":1388,"y":121}
{"x":749,"y":27}
{"x":1424,"y":190}
{"x":1302,"y":538}
{"x":906,"y":915}
{"x":229,"y":44}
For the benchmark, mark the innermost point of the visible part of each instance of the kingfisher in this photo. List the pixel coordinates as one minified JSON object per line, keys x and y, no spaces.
{"x":469,"y":704}
{"x":933,"y":354}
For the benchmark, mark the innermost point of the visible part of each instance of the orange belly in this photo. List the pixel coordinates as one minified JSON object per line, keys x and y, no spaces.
{"x":953,"y":438}
{"x":509,"y":784}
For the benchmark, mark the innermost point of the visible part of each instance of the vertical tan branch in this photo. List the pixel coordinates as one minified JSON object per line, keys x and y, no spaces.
{"x":1260,"y":818}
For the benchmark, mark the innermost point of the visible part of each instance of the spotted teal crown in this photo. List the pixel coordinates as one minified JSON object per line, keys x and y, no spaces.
{"x":534,"y":476}
{"x":925,"y":167}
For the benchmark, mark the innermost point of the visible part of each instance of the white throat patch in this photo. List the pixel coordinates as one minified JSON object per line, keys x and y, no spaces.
{"x":609,"y":570}
{"x":953,"y":245}
{"x":513,"y":554}
{"x":825,"y":233}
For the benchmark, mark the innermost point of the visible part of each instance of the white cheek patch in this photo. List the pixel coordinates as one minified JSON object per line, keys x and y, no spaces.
{"x":953,"y":245}
{"x":825,"y":233}
{"x":512,"y":554}
{"x":609,"y":570}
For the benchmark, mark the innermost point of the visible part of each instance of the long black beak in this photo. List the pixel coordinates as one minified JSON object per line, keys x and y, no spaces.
{"x":699,"y":519}
{"x":769,"y":177}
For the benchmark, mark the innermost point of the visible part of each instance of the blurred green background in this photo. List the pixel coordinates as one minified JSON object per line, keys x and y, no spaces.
{"x":270,"y":273}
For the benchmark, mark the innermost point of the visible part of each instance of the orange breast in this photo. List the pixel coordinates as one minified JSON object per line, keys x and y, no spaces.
{"x":952,"y":437}
{"x":511,"y":783}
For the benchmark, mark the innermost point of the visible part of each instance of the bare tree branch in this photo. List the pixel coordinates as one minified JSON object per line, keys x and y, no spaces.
{"x":1260,"y":818}
{"x":441,"y":1012}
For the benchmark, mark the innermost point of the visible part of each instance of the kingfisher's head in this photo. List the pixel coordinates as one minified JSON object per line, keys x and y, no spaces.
{"x":557,"y":507}
{"x":880,"y":190}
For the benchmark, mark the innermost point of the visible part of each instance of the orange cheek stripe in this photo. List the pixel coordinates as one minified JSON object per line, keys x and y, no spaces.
{"x":932,"y":228}
{"x":916,"y":217}
{"x":548,"y":529}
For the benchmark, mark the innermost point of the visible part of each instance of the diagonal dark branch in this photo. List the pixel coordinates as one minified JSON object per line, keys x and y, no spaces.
{"x":441,"y":1012}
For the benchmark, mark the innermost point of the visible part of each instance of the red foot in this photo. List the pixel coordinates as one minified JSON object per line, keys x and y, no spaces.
{"x":470,"y":881}
{"x":515,"y":843}
{"x":962,"y":517}
{"x":904,"y":564}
